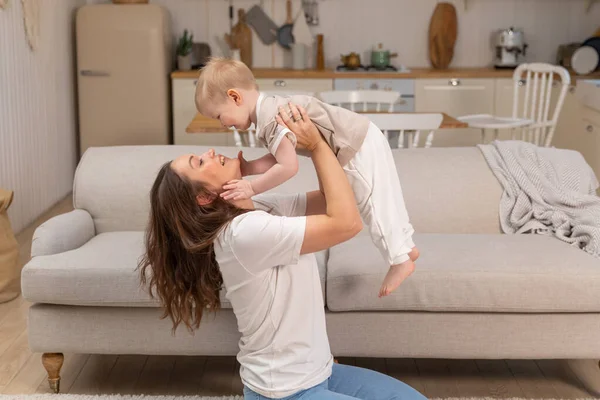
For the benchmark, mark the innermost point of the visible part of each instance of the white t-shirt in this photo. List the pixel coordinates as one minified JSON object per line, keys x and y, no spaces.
{"x":276,"y":296}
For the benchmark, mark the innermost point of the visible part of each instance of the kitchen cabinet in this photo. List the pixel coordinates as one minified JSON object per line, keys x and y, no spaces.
{"x":578,"y":129}
{"x":569,"y":117}
{"x":589,"y":130}
{"x":406,"y":88}
{"x":294,"y":85}
{"x":469,"y":92}
{"x":456,"y":97}
{"x":184,"y":110}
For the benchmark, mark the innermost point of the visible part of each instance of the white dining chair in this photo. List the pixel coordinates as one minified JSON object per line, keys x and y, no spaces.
{"x":249,"y":135}
{"x":532,"y":119}
{"x":410,"y":124}
{"x":248,"y":138}
{"x":359,"y":100}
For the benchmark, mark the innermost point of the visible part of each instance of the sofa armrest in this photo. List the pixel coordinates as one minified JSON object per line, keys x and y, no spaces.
{"x":63,"y":233}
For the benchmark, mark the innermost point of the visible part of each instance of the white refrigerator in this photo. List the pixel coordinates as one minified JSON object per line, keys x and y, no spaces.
{"x":124,"y":59}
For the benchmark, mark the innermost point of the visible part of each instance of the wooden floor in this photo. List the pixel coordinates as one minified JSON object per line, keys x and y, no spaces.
{"x":21,"y":370}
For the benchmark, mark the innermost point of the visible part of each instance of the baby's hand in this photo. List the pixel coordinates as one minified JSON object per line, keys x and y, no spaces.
{"x":244,"y":167}
{"x":237,"y":190}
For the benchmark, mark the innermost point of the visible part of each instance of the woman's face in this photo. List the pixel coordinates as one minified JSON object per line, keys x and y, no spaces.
{"x":212,"y":170}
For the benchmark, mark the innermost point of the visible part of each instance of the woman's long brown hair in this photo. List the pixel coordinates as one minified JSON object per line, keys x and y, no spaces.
{"x":179,"y":265}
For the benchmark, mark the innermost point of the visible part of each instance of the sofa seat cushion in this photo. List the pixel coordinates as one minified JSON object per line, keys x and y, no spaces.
{"x":101,"y":272}
{"x":469,"y":273}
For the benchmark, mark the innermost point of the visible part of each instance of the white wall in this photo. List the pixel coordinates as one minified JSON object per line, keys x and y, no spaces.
{"x":402,"y":26}
{"x":37,"y":109}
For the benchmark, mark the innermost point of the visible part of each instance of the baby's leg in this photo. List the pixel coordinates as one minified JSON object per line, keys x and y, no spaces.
{"x":381,"y":204}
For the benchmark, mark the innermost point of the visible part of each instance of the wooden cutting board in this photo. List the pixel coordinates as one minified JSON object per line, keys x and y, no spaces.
{"x":241,"y":38}
{"x":443,"y":30}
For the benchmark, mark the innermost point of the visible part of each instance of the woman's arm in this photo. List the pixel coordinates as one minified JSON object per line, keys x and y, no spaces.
{"x":315,"y":203}
{"x":341,"y":220}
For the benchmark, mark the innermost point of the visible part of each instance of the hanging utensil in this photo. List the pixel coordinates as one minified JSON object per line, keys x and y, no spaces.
{"x":284,"y":34}
{"x":307,"y":11}
{"x":230,"y":15}
{"x":264,"y":26}
{"x":314,"y":12}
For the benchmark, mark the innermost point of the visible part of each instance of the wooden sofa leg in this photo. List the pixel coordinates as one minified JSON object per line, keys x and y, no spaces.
{"x":588,"y":372}
{"x":53,"y":363}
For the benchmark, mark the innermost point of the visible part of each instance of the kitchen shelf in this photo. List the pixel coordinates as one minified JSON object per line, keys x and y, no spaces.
{"x":415,"y":73}
{"x":588,"y":4}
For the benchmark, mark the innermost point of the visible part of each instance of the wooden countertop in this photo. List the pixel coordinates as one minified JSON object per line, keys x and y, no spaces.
{"x":202,"y":124}
{"x":422,"y":73}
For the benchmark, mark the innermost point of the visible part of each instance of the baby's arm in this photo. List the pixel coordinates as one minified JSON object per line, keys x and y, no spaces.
{"x":282,"y":167}
{"x":258,"y":166}
{"x":286,"y":167}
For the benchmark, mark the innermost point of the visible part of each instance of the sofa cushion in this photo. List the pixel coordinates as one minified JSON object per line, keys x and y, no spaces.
{"x":461,"y":194}
{"x":466,"y":272}
{"x":101,"y":272}
{"x":449,"y":190}
{"x":113,"y":183}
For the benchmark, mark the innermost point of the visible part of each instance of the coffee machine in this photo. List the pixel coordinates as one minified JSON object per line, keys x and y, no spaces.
{"x":510,"y":48}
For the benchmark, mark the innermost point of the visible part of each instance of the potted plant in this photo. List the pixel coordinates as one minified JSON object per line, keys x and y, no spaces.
{"x":184,"y":51}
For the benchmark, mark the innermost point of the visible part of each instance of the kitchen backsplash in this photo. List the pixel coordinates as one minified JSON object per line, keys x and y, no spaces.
{"x":401,"y":25}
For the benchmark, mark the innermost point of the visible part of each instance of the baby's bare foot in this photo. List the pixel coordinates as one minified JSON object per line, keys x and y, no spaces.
{"x":414,"y":254}
{"x":395,"y":276}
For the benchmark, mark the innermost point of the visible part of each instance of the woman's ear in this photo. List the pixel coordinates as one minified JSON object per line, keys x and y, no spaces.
{"x":234,"y":95}
{"x":204,"y":199}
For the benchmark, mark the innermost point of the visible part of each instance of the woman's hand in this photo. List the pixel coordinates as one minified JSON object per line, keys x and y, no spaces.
{"x":307,"y":135}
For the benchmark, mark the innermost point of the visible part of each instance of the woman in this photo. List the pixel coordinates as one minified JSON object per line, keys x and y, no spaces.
{"x":261,"y":250}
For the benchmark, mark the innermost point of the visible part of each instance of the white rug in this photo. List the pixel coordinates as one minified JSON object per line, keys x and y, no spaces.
{"x":143,"y":397}
{"x":109,"y":397}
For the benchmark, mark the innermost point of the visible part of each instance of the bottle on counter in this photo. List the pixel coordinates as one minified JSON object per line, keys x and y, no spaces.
{"x":320,"y":64}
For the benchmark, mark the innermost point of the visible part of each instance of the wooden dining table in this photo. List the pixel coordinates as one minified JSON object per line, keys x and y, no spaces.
{"x":202,"y":124}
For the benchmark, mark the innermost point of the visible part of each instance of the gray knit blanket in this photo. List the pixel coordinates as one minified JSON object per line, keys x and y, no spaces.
{"x":546,"y":191}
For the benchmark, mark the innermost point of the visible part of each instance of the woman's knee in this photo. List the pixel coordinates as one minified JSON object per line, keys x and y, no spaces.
{"x":251,"y":395}
{"x":368,"y":384}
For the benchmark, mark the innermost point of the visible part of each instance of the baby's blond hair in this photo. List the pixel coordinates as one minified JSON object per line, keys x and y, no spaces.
{"x":218,"y":76}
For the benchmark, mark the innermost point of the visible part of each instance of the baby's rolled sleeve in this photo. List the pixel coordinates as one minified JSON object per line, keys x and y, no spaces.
{"x":273,"y":135}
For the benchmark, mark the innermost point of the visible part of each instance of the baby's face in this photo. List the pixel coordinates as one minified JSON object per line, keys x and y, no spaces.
{"x":230,"y":113}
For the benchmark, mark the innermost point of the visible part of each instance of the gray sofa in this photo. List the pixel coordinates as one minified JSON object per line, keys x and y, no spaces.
{"x":476,"y":293}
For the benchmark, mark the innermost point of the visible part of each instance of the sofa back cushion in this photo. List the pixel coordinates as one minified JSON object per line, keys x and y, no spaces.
{"x":446,"y":189}
{"x":113,"y":183}
{"x":449,"y":190}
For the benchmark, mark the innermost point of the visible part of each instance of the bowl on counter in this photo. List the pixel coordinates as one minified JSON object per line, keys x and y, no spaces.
{"x":586,"y":58}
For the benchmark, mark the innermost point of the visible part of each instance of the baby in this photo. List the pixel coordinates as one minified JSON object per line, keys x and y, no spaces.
{"x":227,"y":90}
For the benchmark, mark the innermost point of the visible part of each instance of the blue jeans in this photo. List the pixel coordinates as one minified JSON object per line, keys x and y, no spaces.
{"x":348,"y":382}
